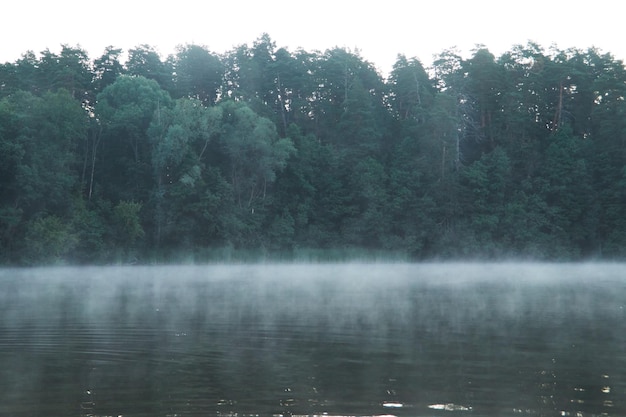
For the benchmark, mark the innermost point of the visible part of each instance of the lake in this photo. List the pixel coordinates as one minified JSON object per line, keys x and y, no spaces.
{"x":314,"y":339}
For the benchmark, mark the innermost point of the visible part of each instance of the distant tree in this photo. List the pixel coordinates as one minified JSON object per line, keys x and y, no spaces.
{"x":27,"y":76}
{"x":46,"y":134}
{"x":564,"y":182}
{"x":48,"y":240}
{"x":198,"y":74}
{"x":292,"y":202}
{"x":607,"y":157}
{"x":486,"y":184}
{"x":8,"y":79}
{"x":39,"y":137}
{"x":180,"y":139}
{"x":125,"y":110}
{"x":369,"y":227}
{"x":127,"y":229}
{"x":410,"y":89}
{"x":69,"y":70}
{"x":107,"y":68}
{"x":253,"y":152}
{"x":145,"y":61}
{"x":483,"y":88}
{"x":250,"y":74}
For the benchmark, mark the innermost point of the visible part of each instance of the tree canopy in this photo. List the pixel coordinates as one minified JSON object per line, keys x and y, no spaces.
{"x":276,"y":151}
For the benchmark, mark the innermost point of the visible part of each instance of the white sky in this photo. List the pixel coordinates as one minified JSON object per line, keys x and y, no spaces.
{"x":380,"y":30}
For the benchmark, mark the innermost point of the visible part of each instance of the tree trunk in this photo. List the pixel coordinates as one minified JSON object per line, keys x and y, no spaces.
{"x":96,"y":142}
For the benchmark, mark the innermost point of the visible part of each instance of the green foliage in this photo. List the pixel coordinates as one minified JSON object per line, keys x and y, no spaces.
{"x":198,"y":74}
{"x":368,"y":227}
{"x":40,"y":138}
{"x":253,"y":152}
{"x":487,"y":182}
{"x":49,"y":240}
{"x":90,"y":229}
{"x":268,"y":151}
{"x":180,"y":138}
{"x":145,"y":61}
{"x":127,"y":225}
{"x":125,"y":110}
{"x":107,"y":68}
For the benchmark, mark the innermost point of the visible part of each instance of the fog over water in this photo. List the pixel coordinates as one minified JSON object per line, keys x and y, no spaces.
{"x":307,"y":339}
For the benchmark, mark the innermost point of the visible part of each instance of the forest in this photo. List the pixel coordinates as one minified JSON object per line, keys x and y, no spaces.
{"x":273,"y":152}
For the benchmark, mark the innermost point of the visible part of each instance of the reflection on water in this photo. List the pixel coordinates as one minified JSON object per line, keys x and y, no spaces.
{"x":248,"y":340}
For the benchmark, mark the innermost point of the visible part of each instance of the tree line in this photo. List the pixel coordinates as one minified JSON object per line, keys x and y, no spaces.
{"x":276,"y":151}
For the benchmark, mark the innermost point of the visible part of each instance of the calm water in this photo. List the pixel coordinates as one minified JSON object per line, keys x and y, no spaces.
{"x":403,"y":340}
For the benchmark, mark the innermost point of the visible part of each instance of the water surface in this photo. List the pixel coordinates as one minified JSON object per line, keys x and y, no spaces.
{"x":345,"y":339}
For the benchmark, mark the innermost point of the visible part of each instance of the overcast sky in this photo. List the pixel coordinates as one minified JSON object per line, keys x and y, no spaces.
{"x":380,"y":30}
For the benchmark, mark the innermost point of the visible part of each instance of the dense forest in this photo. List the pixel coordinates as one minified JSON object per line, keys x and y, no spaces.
{"x":272,"y":151}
